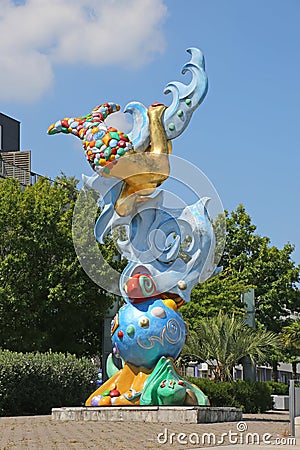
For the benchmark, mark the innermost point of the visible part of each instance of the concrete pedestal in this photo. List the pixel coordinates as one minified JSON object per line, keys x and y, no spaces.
{"x":154,"y":414}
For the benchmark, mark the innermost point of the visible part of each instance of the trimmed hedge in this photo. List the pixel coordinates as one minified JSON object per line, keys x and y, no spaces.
{"x":252,"y":396}
{"x":33,"y":383}
{"x":278,"y":388}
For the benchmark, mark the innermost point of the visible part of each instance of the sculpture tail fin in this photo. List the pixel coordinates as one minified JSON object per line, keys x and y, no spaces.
{"x":75,"y":125}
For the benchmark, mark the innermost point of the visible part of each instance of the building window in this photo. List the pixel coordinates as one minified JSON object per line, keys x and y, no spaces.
{"x":0,"y":137}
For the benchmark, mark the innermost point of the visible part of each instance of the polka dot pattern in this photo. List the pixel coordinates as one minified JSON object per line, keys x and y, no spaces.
{"x":103,"y":145}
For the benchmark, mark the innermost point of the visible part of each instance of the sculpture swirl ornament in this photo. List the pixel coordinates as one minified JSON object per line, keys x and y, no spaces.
{"x":169,"y":250}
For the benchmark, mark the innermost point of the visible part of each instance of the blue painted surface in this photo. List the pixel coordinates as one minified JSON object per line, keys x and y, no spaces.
{"x":186,"y":98}
{"x":157,"y":235}
{"x":162,"y":336}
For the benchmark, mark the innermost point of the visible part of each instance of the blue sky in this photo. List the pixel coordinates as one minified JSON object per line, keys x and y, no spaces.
{"x":61,"y":58}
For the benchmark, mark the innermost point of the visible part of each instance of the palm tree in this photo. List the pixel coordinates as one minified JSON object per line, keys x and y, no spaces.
{"x":291,"y":340}
{"x":291,"y":334}
{"x":227,"y":339}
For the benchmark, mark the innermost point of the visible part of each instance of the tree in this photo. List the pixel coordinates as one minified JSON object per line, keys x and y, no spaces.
{"x":291,"y":334}
{"x":221,"y":293}
{"x":102,"y":263}
{"x":46,"y":299}
{"x":270,"y":270}
{"x":227,"y":339}
{"x":249,"y":260}
{"x":291,"y":340}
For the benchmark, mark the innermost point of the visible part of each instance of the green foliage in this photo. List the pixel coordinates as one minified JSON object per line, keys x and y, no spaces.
{"x":249,"y":261}
{"x":46,"y":299}
{"x":278,"y":388}
{"x":252,"y":397}
{"x":221,"y":293}
{"x":291,"y":335}
{"x":227,"y":339}
{"x":101,"y":262}
{"x":34,"y":383}
{"x":270,"y":270}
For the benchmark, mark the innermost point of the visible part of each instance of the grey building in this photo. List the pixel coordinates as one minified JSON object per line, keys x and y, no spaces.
{"x":14,"y":163}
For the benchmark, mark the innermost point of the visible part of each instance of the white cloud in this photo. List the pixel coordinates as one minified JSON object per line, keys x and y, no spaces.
{"x":36,"y":35}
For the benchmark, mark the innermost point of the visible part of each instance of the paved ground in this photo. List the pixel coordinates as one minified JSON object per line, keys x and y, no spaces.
{"x":40,"y":432}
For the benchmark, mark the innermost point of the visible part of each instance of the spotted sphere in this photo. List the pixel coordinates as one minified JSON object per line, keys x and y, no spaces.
{"x":144,"y":332}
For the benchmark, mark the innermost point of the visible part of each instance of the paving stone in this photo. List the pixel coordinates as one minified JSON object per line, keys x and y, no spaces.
{"x":41,"y":432}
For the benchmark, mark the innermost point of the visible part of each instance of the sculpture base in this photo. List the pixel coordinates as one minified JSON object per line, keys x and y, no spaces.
{"x":153,"y":414}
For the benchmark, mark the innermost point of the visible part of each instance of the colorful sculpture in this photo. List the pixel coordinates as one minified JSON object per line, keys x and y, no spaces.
{"x":168,"y":250}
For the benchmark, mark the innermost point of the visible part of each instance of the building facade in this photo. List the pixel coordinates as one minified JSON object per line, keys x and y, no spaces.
{"x":263,"y":373}
{"x":14,"y":163}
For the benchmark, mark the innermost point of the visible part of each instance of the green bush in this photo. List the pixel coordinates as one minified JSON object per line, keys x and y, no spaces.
{"x":278,"y":388}
{"x":33,"y":383}
{"x":252,"y":397}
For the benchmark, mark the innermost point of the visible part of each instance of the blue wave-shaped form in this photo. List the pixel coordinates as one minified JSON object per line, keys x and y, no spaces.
{"x":140,"y":133}
{"x":186,"y":98}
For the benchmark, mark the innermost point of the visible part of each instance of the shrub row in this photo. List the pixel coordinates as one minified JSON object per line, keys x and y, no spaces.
{"x":251,"y":396}
{"x":278,"y":388}
{"x":33,"y":383}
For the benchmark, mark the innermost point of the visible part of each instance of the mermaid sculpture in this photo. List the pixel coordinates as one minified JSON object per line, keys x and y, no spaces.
{"x":148,"y":332}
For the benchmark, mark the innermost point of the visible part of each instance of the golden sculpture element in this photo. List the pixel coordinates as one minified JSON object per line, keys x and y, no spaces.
{"x":143,"y":172}
{"x":128,"y":382}
{"x":126,"y":387}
